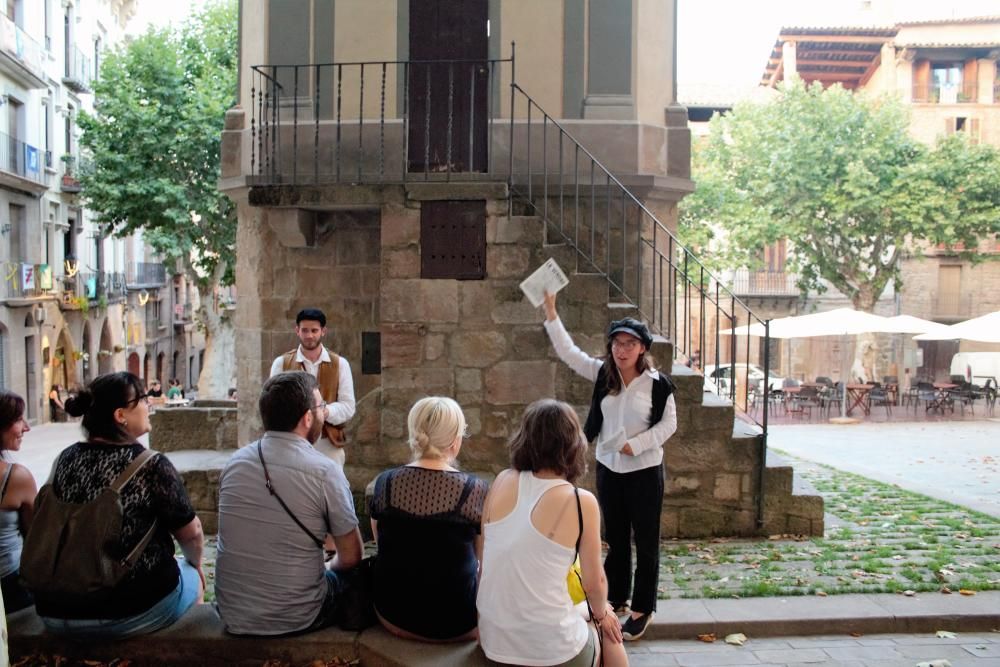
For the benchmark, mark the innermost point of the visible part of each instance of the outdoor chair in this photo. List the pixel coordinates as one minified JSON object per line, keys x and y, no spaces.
{"x":989,"y":395}
{"x":879,"y":395}
{"x":925,"y":392}
{"x":805,"y":400}
{"x":830,"y":396}
{"x":964,"y":396}
{"x":824,"y":381}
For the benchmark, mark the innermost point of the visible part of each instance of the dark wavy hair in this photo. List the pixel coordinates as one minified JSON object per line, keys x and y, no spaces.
{"x":11,"y":410}
{"x":98,"y":402}
{"x":612,"y":380}
{"x":549,"y":437}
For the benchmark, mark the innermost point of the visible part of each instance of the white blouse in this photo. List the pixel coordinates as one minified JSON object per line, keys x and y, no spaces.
{"x":626,"y":412}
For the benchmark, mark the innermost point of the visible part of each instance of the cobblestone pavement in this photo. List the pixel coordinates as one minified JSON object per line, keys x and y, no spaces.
{"x":879,"y":539}
{"x":972,"y":650}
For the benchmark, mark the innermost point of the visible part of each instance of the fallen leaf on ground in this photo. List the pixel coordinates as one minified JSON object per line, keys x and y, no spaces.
{"x":909,"y":594}
{"x":966,"y":591}
{"x":856,"y":634}
{"x":946,"y":590}
{"x":708,"y":638}
{"x":736,"y":639}
{"x":945,"y":634}
{"x":935,"y":663}
{"x":821,"y":594}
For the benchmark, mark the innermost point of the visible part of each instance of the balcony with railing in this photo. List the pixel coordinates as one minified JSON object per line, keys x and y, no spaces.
{"x":21,"y":159}
{"x":746,"y":283}
{"x":183,"y":314}
{"x":144,"y":275}
{"x":78,"y":75}
{"x":21,"y":57}
{"x":93,"y":287}
{"x":23,"y":280}
{"x":957,"y":93}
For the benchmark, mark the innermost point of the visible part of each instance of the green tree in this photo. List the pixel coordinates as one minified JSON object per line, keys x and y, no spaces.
{"x":154,"y":140}
{"x":841,"y":179}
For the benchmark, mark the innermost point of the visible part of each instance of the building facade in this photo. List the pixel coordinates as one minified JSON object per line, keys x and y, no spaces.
{"x":948,"y":74}
{"x":75,"y":302}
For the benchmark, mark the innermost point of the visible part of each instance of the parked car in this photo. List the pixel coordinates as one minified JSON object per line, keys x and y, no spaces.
{"x":718,"y":380}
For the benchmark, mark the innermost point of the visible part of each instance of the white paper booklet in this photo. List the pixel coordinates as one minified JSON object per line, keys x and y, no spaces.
{"x":548,"y":278}
{"x":612,"y":444}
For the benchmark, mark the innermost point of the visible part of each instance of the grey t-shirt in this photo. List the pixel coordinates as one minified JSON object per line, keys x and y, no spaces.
{"x":269,"y":574}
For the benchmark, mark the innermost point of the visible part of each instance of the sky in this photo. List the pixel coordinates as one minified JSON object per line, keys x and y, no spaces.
{"x":719,"y":42}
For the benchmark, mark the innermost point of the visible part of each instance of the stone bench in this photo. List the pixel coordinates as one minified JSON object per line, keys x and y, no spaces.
{"x":199,"y":639}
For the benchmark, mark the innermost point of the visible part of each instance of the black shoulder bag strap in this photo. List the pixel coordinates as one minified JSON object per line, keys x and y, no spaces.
{"x":590,"y":610}
{"x":117,"y":486}
{"x":270,"y":488}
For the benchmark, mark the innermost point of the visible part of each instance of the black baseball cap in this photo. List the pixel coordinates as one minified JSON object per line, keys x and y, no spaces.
{"x":633,"y":328}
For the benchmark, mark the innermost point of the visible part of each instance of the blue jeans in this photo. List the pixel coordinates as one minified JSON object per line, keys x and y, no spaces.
{"x":328,"y":613}
{"x":165,"y":612}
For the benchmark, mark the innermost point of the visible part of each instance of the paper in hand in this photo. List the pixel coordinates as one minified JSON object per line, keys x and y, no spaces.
{"x":548,"y":278}
{"x":612,"y":444}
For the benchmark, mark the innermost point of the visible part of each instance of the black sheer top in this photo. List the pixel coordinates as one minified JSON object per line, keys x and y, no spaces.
{"x":426,"y":570}
{"x":157,"y":491}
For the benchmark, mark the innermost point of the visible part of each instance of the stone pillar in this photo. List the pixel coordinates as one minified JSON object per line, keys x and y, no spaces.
{"x":788,"y":61}
{"x":610,"y":41}
{"x":888,"y":69}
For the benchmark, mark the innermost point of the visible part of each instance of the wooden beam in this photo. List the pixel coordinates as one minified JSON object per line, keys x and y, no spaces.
{"x":777,"y":73}
{"x":836,"y":39}
{"x":829,"y":76}
{"x":832,"y":63}
{"x":871,"y":70}
{"x":840,"y":52}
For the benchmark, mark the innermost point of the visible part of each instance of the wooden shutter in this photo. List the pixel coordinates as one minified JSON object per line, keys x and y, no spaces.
{"x":970,"y":81}
{"x":922,"y":81}
{"x":453,"y":239}
{"x":949,"y":126}
{"x":974,"y":130}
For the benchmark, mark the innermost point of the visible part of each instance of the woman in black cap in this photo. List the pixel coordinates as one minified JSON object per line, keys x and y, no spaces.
{"x":632,"y":413}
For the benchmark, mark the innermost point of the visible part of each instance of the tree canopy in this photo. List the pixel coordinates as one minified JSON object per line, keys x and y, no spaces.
{"x":154,"y":142}
{"x":839,"y":177}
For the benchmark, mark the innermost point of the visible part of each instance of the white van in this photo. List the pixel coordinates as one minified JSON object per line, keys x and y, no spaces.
{"x":976,"y":367}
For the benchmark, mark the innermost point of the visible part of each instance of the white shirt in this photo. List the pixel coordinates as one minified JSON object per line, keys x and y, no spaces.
{"x":627,"y":411}
{"x":343,"y":409}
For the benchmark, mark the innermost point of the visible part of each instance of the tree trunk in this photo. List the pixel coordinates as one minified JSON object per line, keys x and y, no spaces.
{"x":864,"y":367}
{"x":219,"y":370}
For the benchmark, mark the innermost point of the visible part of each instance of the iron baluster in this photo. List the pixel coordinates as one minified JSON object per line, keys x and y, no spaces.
{"x":361,"y":123}
{"x":528,"y":140}
{"x":545,"y":167}
{"x":295,"y":126}
{"x":427,"y":125}
{"x":316,"y":125}
{"x":340,"y":99}
{"x":406,"y":119}
{"x":381,"y":130}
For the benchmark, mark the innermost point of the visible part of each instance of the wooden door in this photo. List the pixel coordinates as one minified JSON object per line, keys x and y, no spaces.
{"x":448,"y":100}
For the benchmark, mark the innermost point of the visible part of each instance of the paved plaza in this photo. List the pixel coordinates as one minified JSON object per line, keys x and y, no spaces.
{"x":958,"y":462}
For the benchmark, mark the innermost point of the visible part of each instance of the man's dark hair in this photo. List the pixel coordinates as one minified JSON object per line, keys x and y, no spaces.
{"x":285,"y":398}
{"x":549,"y":438}
{"x":314,"y":314}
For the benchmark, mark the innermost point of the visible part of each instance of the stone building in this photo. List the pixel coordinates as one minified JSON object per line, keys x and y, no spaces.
{"x":403,"y":165}
{"x":947,"y":72}
{"x":74,"y":302}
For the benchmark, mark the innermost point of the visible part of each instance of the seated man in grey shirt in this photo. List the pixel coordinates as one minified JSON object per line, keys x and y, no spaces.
{"x":270,"y":577}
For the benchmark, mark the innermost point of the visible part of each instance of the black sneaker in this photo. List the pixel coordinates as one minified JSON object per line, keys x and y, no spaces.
{"x":621,"y":609}
{"x":633,"y":628}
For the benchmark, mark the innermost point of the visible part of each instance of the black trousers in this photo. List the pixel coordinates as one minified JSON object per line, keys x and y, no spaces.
{"x":631,"y":503}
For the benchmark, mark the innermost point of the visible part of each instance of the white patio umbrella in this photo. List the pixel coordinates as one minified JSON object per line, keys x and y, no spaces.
{"x":838,"y":322}
{"x":911,"y":324}
{"x":985,"y":329}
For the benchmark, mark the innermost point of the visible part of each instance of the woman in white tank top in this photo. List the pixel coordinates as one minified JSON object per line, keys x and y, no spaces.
{"x":531,"y":526}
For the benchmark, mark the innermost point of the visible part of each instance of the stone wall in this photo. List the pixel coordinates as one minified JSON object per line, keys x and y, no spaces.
{"x":478,"y":341}
{"x":194,"y":427}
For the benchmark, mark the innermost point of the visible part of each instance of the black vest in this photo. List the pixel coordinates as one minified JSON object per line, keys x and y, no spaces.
{"x":662,"y":389}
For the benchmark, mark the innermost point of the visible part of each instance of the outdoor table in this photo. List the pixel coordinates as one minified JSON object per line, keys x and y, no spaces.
{"x":788,"y":396}
{"x":942,"y":397}
{"x":892,"y":392}
{"x":857,"y":396}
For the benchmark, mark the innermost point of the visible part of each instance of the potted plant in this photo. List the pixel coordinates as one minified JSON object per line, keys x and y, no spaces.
{"x":69,"y":182}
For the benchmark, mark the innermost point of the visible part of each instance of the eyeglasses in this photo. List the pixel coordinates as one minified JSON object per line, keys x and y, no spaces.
{"x":320,"y":406}
{"x":135,"y":401}
{"x":628,"y":344}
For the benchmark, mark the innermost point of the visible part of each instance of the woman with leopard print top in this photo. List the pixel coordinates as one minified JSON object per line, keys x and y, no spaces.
{"x":160,"y":587}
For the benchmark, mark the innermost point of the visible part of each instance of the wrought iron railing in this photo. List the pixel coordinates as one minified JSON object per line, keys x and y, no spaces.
{"x":936,"y":93}
{"x":78,"y":73}
{"x":20,"y":45}
{"x":22,"y":159}
{"x":25,"y":280}
{"x":146,"y":274}
{"x":764,"y":283}
{"x":94,"y":285}
{"x":372,"y":122}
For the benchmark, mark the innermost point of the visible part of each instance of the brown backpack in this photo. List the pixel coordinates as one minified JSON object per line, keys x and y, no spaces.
{"x":69,"y":547}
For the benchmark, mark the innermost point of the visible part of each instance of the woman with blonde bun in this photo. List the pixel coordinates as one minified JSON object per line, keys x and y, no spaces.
{"x":426,"y":519}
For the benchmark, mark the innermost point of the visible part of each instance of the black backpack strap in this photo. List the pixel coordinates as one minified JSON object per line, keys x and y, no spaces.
{"x":117,"y":485}
{"x":579,"y":515}
{"x":270,"y":488}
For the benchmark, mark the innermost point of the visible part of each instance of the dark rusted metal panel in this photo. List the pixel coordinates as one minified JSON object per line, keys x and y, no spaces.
{"x":453,"y":239}
{"x":371,"y":353}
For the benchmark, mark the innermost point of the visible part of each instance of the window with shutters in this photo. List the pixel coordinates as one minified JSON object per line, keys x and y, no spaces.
{"x":453,"y":239}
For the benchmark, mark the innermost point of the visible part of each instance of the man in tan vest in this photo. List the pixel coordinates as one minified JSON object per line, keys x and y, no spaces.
{"x":333,"y":373}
